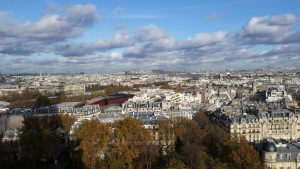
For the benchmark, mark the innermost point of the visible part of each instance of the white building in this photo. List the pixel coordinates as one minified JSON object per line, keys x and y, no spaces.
{"x":274,"y":94}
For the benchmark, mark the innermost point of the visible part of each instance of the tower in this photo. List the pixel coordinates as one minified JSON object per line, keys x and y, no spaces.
{"x":254,"y":89}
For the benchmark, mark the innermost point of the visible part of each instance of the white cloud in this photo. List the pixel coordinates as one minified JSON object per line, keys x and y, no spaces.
{"x":151,"y":32}
{"x":30,"y":37}
{"x":116,"y":56}
{"x":202,"y":39}
{"x":148,"y":47}
{"x":269,"y":29}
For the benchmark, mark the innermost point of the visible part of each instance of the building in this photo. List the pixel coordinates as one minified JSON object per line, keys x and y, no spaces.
{"x":142,"y":105}
{"x":280,"y":124}
{"x":74,"y":89}
{"x":113,"y":99}
{"x":278,"y":155}
{"x":11,"y":135}
{"x":274,"y":94}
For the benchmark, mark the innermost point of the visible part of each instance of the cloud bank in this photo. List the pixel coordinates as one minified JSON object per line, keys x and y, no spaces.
{"x":48,"y":44}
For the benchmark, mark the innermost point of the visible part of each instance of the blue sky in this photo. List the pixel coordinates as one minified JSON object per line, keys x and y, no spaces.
{"x":97,"y":36}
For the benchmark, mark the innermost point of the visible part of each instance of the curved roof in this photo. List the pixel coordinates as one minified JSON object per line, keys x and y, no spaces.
{"x":269,"y":146}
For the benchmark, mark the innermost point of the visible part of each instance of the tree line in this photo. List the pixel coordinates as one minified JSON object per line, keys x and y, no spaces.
{"x":33,"y":98}
{"x":296,"y":96}
{"x":176,"y":144}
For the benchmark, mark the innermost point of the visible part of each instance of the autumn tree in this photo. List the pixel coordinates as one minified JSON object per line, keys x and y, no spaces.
{"x":243,"y":156}
{"x":129,"y":139}
{"x":149,"y":155}
{"x":39,"y":139}
{"x":66,"y":121}
{"x":42,"y":101}
{"x":93,"y":137}
{"x":176,"y":164}
{"x":202,"y":144}
{"x":166,"y":135}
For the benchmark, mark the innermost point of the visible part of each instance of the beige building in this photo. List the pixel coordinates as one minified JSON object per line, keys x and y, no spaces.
{"x":74,"y":89}
{"x":280,"y":156}
{"x":277,"y":124}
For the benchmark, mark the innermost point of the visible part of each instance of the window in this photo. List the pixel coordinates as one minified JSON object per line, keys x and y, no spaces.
{"x":280,"y":156}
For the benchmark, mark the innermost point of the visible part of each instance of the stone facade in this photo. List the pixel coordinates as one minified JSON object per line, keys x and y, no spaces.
{"x":277,"y":124}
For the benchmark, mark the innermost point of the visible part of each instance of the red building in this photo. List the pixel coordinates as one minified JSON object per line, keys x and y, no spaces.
{"x":117,"y":98}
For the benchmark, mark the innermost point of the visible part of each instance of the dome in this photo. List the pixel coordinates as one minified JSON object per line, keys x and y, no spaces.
{"x":269,"y":146}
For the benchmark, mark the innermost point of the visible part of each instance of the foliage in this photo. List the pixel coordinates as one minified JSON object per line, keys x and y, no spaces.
{"x":24,"y":99}
{"x":39,"y":139}
{"x":66,"y":121}
{"x":128,"y":141}
{"x":176,"y":164}
{"x":93,"y":137}
{"x":182,"y":143}
{"x":202,"y":144}
{"x":166,"y":135}
{"x":114,"y":89}
{"x":24,"y":95}
{"x":42,"y":101}
{"x":296,"y":96}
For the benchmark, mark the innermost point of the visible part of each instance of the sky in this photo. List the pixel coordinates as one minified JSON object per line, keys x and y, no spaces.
{"x":58,"y":36}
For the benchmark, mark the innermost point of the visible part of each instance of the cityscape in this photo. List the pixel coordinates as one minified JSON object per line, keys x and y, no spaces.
{"x":150,"y":84}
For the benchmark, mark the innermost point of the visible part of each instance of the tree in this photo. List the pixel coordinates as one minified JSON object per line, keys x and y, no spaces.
{"x":129,"y":139}
{"x":202,"y":144}
{"x":93,"y":137}
{"x":166,"y":135}
{"x":148,"y":155}
{"x":176,"y":164}
{"x":114,"y":89}
{"x":39,"y":139}
{"x":66,"y":121}
{"x":243,"y":156}
{"x":201,"y":118}
{"x":42,"y":101}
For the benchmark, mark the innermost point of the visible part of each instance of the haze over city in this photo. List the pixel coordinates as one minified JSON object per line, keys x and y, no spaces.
{"x":105,"y":36}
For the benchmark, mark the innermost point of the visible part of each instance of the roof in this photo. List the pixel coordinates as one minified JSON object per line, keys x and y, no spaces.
{"x":3,"y":103}
{"x":67,"y":104}
{"x":288,"y":152}
{"x":112,"y":96}
{"x":278,"y":113}
{"x":244,"y":118}
{"x":269,"y":146}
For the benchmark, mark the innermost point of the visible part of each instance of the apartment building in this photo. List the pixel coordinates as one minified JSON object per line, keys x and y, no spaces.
{"x":278,"y":124}
{"x":278,"y":155}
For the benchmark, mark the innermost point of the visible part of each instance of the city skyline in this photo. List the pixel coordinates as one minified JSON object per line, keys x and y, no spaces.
{"x":91,"y":36}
